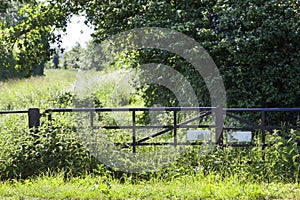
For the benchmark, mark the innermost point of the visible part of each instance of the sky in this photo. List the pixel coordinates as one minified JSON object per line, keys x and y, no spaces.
{"x":77,"y":31}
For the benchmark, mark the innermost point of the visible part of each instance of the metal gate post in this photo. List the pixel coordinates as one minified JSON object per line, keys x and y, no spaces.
{"x":263,"y":124}
{"x":92,"y":119}
{"x":175,"y":127}
{"x":219,"y":125}
{"x":34,"y":116}
{"x":133,"y":132}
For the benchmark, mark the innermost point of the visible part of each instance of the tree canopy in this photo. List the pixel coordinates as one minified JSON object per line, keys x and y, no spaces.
{"x":255,"y":44}
{"x":27,"y":29}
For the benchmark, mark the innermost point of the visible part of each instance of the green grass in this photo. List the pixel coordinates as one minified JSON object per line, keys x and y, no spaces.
{"x":44,"y":92}
{"x":187,"y":187}
{"x":35,"y":91}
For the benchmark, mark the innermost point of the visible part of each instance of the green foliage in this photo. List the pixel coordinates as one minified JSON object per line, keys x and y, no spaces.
{"x":57,"y":147}
{"x":54,"y":148}
{"x":258,"y":51}
{"x":90,"y":57}
{"x":278,"y":161}
{"x":254,"y":44}
{"x":73,"y":59}
{"x":26,"y":32}
{"x":20,"y":42}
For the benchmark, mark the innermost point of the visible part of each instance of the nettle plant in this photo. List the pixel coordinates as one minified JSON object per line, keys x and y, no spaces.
{"x":277,"y":161}
{"x":55,"y":147}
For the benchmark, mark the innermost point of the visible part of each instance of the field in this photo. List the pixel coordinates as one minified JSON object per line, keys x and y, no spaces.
{"x":28,"y":170}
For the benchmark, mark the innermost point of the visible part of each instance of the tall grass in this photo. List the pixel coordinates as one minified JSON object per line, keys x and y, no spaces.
{"x":40,"y":92}
{"x":57,"y":88}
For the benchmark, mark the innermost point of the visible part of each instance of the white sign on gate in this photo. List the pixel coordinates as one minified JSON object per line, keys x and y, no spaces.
{"x":240,"y":136}
{"x":198,"y":135}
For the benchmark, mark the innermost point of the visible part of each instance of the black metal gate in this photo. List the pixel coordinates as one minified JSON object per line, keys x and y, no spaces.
{"x":222,"y":122}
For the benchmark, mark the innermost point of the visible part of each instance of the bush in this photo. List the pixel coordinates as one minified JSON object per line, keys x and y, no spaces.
{"x":53,"y":148}
{"x":278,"y":161}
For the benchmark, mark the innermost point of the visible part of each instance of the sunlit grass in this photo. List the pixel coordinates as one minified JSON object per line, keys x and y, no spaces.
{"x":35,"y":91}
{"x":189,"y":187}
{"x":112,"y":88}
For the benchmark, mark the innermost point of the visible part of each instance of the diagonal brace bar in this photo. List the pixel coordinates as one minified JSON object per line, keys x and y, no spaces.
{"x":172,"y":128}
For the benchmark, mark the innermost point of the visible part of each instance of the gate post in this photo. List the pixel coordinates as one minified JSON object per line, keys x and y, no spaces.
{"x":133,"y":132}
{"x":263,"y":127}
{"x":219,"y":125}
{"x":34,"y":116}
{"x":175,"y":127}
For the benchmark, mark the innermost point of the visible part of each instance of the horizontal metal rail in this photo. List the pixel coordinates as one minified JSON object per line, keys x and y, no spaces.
{"x":261,"y":109}
{"x":172,"y":109}
{"x":129,"y":109}
{"x":154,"y":127}
{"x":13,"y":112}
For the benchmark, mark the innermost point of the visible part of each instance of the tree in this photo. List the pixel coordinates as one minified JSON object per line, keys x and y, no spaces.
{"x":73,"y":57}
{"x":56,"y":61}
{"x":91,"y":57}
{"x":26,"y":36}
{"x":85,"y":58}
{"x":254,"y":44}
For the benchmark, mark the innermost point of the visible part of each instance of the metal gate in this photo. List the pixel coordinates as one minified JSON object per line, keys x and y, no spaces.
{"x":225,"y":125}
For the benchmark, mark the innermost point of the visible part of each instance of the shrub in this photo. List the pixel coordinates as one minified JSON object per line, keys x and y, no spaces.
{"x":53,"y":148}
{"x":278,"y":161}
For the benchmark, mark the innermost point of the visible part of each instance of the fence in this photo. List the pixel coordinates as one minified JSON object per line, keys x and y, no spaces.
{"x":242,"y":125}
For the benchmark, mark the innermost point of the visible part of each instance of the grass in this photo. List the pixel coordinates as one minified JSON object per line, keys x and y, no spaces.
{"x":35,"y":91}
{"x":188,"y":187}
{"x":43,"y":92}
